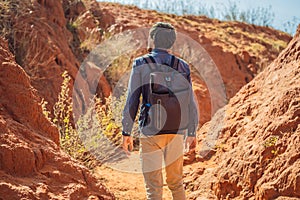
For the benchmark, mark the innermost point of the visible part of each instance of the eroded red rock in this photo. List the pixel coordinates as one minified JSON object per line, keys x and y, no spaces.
{"x":32,"y":166}
{"x":257,"y":152}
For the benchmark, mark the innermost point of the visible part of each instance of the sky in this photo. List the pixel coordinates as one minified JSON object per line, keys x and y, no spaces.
{"x":284,"y":10}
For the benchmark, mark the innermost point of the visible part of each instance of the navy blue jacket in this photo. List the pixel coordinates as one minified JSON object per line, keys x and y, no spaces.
{"x":136,"y":88}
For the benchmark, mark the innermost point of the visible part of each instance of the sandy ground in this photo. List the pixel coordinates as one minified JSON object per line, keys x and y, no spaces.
{"x":126,"y":185}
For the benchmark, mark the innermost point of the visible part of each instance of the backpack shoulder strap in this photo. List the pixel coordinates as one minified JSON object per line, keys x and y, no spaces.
{"x":174,"y":62}
{"x":152,"y":59}
{"x":151,"y":63}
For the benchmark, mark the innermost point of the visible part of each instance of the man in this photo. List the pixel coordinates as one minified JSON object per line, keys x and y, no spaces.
{"x":158,"y":146}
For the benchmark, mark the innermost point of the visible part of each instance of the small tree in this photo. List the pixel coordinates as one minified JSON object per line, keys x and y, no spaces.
{"x":231,"y":12}
{"x":259,"y":16}
{"x":291,"y":26}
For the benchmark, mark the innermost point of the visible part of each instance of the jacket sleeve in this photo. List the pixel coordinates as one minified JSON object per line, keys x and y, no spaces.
{"x":193,"y":112}
{"x":132,"y":100}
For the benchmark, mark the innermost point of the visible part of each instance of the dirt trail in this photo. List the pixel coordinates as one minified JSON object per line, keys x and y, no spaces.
{"x":125,"y":185}
{"x":129,"y":185}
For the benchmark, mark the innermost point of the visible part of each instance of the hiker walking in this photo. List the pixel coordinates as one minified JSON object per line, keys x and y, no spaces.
{"x":168,"y":113}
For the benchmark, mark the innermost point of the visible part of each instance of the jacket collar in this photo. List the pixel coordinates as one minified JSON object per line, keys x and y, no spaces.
{"x":159,"y":51}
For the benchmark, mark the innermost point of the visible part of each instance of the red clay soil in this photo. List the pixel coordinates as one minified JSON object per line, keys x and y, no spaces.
{"x":32,"y":166}
{"x":46,"y":43}
{"x":257,"y":154}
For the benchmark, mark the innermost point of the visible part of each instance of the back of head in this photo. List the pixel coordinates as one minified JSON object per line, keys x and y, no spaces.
{"x":163,"y":35}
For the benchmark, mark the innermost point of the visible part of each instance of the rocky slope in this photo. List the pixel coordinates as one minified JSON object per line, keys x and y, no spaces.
{"x":49,"y":37}
{"x":31,"y":164}
{"x":257,"y":154}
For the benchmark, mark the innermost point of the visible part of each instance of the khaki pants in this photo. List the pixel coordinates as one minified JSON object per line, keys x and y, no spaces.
{"x":154,"y":150}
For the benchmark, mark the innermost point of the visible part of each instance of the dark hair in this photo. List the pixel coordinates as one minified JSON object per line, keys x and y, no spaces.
{"x":163,"y":34}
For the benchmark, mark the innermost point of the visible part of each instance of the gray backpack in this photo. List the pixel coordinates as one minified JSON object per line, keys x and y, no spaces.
{"x":169,"y":98}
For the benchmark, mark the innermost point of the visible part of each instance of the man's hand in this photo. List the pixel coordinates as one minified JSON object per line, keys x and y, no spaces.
{"x":127,"y":144}
{"x":190,"y":144}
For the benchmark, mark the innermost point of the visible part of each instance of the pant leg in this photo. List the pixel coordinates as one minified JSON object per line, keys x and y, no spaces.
{"x":173,"y":157}
{"x":151,"y":158}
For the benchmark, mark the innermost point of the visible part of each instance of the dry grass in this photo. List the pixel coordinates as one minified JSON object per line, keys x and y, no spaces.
{"x":10,"y":10}
{"x":97,"y":135}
